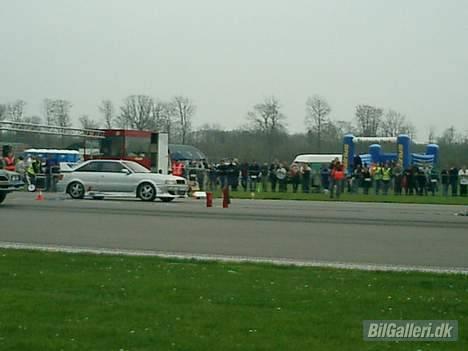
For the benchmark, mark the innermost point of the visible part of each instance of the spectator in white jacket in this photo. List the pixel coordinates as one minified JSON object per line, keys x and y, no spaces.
{"x":463,"y":178}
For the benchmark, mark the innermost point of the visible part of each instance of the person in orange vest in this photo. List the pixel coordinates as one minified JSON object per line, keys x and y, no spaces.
{"x":178,"y":168}
{"x":10,"y":162}
{"x":337,"y":175}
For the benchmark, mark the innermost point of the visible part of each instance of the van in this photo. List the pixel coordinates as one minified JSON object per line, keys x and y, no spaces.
{"x":315,"y":162}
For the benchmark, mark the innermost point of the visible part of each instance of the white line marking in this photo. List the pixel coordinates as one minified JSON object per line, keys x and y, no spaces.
{"x":234,"y":259}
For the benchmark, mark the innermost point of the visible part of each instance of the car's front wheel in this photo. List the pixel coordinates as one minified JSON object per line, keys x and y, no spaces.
{"x":146,"y":192}
{"x":2,"y":196}
{"x":76,"y":190}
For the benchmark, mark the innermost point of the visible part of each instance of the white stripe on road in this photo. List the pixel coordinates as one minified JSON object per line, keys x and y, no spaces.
{"x":234,"y":259}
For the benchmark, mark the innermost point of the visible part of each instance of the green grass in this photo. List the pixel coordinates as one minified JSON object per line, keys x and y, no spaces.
{"x":411,"y":199}
{"x":54,"y":301}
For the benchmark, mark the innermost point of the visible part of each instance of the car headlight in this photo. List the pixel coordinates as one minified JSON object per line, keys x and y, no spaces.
{"x":170,"y":182}
{"x":15,"y":178}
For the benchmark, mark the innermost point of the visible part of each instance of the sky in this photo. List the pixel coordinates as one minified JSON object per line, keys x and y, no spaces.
{"x":408,"y":55}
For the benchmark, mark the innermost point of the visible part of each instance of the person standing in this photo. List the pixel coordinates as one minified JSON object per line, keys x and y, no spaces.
{"x":244,"y":172}
{"x":21,"y":168}
{"x":433,"y":181}
{"x":325,"y":177}
{"x":386,"y":178}
{"x":10,"y":162}
{"x":356,"y":179}
{"x":366,"y":180}
{"x":264,"y":176}
{"x":254,"y":172}
{"x":222,"y":173}
{"x":273,"y":178}
{"x":212,"y":177}
{"x":397,"y":173}
{"x":306,"y":172}
{"x":421,"y":181}
{"x":412,"y":180}
{"x":295,"y":177}
{"x":463,"y":176}
{"x":453,"y":178}
{"x":201,"y":171}
{"x":233,"y":174}
{"x":377,"y":175}
{"x":444,"y":180}
{"x":338,"y":176}
{"x":282,"y":178}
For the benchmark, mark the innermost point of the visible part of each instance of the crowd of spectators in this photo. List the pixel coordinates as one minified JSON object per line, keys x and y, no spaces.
{"x":333,"y":178}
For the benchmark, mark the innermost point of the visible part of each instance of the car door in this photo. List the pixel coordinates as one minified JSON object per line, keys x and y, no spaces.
{"x":112,"y":178}
{"x":88,"y":175}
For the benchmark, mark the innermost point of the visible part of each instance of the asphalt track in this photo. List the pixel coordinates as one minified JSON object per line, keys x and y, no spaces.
{"x":426,"y":237}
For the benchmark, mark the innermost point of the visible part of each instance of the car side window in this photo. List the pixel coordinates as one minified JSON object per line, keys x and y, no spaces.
{"x":90,"y":167}
{"x":111,"y":167}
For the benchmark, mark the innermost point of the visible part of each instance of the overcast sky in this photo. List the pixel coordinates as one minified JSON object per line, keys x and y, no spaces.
{"x":409,"y":55}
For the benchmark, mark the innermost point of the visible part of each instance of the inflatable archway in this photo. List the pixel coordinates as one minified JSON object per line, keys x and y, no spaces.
{"x":402,"y":154}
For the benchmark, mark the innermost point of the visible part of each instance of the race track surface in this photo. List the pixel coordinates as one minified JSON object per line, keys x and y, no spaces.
{"x":355,"y":233}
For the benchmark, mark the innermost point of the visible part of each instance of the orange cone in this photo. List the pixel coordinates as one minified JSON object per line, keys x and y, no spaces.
{"x":39,"y":196}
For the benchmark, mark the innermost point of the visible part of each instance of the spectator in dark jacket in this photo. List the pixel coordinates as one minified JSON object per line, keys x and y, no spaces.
{"x":264,"y":176}
{"x":325,"y":177}
{"x":453,"y":179}
{"x":254,"y":173}
{"x":421,"y":182}
{"x":272,"y":172}
{"x":244,"y":171}
{"x":306,"y":174}
{"x":444,"y":179}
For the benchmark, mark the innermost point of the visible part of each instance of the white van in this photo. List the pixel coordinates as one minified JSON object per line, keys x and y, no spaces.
{"x":316,"y":160}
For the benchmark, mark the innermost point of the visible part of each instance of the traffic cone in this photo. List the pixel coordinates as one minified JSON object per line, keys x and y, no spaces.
{"x":39,"y":196}
{"x":226,"y":197}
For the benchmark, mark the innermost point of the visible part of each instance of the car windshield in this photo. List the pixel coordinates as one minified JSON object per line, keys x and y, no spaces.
{"x":136,"y":168}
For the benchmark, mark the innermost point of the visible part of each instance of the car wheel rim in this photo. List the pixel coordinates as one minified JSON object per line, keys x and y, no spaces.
{"x":146,"y":192}
{"x":76,"y":190}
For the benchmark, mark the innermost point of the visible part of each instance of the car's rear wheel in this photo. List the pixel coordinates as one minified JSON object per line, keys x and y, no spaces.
{"x":76,"y":190}
{"x":146,"y":192}
{"x":166,"y":199}
{"x":2,"y":196}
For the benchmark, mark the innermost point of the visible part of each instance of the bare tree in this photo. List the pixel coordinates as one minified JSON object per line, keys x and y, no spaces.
{"x":267,"y":117}
{"x":345,"y":127}
{"x":49,"y":112}
{"x":164,"y":116}
{"x":432,"y":135}
{"x":317,"y":111}
{"x":62,"y":111}
{"x":88,"y":123}
{"x":182,"y":109}
{"x":136,"y":113}
{"x":395,"y":123}
{"x":268,"y":123}
{"x":368,"y":119}
{"x":15,"y":111}
{"x":449,"y":136}
{"x":2,"y":112}
{"x":32,"y":119}
{"x":108,"y":112}
{"x":57,"y":112}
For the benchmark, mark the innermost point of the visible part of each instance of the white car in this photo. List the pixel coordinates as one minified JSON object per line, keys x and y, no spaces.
{"x":9,"y":181}
{"x":101,"y":178}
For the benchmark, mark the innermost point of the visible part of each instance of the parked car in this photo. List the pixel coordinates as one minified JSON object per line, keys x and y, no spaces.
{"x":102,"y":178}
{"x":9,"y":181}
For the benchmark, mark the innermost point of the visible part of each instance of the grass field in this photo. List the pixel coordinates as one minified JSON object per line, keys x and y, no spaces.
{"x":55,"y":301}
{"x":414,"y":199}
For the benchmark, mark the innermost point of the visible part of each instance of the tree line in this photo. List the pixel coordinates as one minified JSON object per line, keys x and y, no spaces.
{"x":140,"y":112}
{"x":263,"y":136}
